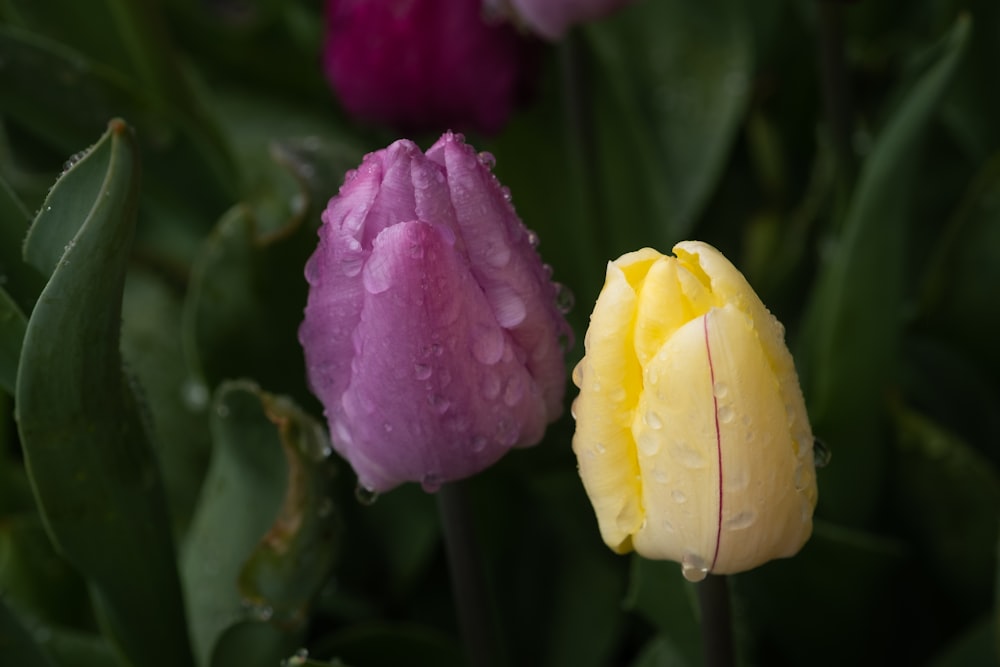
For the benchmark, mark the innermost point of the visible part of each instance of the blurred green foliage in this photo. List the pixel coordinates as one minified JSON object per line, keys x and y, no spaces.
{"x":165,"y":493}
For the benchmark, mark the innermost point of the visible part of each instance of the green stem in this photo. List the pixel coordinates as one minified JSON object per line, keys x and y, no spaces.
{"x":716,"y":621}
{"x":468,"y":584}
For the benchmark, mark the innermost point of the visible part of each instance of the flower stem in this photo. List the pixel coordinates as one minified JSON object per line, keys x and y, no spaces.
{"x":716,"y":621}
{"x":468,"y":584}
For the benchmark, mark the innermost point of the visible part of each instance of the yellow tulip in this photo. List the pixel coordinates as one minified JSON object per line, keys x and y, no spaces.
{"x":691,"y":431}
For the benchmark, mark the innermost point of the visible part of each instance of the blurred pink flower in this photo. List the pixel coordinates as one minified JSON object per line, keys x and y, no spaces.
{"x":423,"y":64}
{"x":431,"y":333}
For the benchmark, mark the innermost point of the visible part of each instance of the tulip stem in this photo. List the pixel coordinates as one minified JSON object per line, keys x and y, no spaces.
{"x":716,"y":621}
{"x":469,"y":588}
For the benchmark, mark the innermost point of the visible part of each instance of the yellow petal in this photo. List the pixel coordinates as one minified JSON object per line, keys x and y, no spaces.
{"x":609,"y":378}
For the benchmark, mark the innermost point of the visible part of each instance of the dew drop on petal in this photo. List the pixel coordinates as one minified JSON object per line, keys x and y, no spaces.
{"x":479,"y":443}
{"x":721,"y":389}
{"x":726,"y":414}
{"x":364,"y":495}
{"x":578,"y":374}
{"x":741,"y":521}
{"x":678,"y":496}
{"x":487,"y":159}
{"x":513,"y":392}
{"x":431,"y":483}
{"x":686,"y":456}
{"x":572,"y":408}
{"x":421,"y":371}
{"x":487,"y":344}
{"x":693,"y":568}
{"x":660,"y":476}
{"x":648,"y":443}
{"x":490,"y":386}
{"x":600,"y":448}
{"x":532,"y":239}
{"x":439,"y":403}
{"x":652,"y":420}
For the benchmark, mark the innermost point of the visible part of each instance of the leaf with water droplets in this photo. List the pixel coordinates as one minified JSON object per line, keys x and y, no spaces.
{"x":259,"y":545}
{"x":88,"y":452}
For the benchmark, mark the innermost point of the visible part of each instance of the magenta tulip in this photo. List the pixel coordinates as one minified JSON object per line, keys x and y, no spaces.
{"x":431,"y":333}
{"x":423,"y":64}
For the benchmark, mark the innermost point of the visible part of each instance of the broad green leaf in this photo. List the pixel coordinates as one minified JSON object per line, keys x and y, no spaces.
{"x":12,"y":327}
{"x":661,"y":652}
{"x":850,"y":341}
{"x":264,"y":534}
{"x":948,"y":496}
{"x":661,"y":595}
{"x":85,"y":444}
{"x":673,"y":81}
{"x":72,"y":648}
{"x":17,"y":647}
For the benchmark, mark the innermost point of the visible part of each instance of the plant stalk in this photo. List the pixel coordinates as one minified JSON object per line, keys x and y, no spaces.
{"x":716,"y":621}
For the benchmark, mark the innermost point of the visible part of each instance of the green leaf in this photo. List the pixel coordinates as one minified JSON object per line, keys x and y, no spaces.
{"x":264,"y":534}
{"x":390,"y":645}
{"x":661,"y":595}
{"x":675,"y":80}
{"x":948,"y":496}
{"x":850,"y":341}
{"x":661,"y":652}
{"x":85,"y":444}
{"x":178,"y":405}
{"x":16,"y":646}
{"x":253,"y":644}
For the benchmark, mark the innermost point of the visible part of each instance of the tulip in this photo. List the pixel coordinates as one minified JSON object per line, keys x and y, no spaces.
{"x":552,"y":18}
{"x":432,"y":334}
{"x":423,"y":64}
{"x":691,"y":430}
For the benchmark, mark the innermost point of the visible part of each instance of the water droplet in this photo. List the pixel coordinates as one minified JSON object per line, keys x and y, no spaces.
{"x":533,"y":239}
{"x":513,"y":392}
{"x":686,"y":456}
{"x":487,"y":159}
{"x":667,"y":526}
{"x":222,"y":410}
{"x":564,"y":298}
{"x":491,"y":386}
{"x":487,"y":344}
{"x":351,"y":265}
{"x":76,"y":157}
{"x":599,"y":448}
{"x":742,"y":520}
{"x":437,"y":349}
{"x":578,"y":374}
{"x":439,"y":403}
{"x":648,"y":443}
{"x":505,"y":191}
{"x":300,"y":658}
{"x":726,"y":414}
{"x":660,"y":476}
{"x":737,"y":480}
{"x":416,"y":251}
{"x":652,"y":420}
{"x":652,"y":376}
{"x":479,"y":443}
{"x":693,"y":568}
{"x":678,"y":496}
{"x":821,"y":453}
{"x":431,"y":483}
{"x":195,"y":395}
{"x":572,"y":408}
{"x":800,"y":478}
{"x":260,"y":612}
{"x":350,"y":175}
{"x":721,"y":389}
{"x":387,"y":427}
{"x":364,"y":495}
{"x":507,"y":432}
{"x":421,"y":371}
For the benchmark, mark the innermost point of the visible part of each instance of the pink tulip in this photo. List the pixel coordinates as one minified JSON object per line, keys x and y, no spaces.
{"x":431,"y":333}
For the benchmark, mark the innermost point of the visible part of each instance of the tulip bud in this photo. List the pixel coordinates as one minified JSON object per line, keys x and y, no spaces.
{"x":691,"y":430}
{"x":431,"y":332}
{"x":551,"y":18}
{"x":423,"y":64}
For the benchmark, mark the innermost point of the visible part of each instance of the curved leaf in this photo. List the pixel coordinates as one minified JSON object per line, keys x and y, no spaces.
{"x":86,"y":448}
